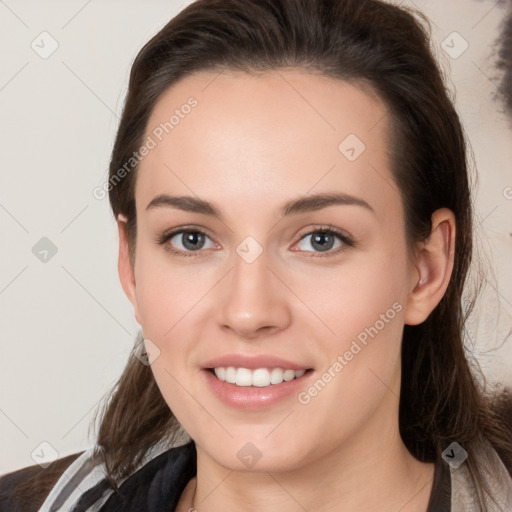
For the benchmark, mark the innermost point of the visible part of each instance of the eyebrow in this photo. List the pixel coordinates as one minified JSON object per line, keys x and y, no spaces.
{"x":295,"y":206}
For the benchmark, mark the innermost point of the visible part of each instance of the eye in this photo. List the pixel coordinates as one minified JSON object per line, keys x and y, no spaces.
{"x":325,"y":240}
{"x":185,"y":241}
{"x":191,"y":242}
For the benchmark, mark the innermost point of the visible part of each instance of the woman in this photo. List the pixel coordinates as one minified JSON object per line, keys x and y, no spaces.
{"x":290,"y":186}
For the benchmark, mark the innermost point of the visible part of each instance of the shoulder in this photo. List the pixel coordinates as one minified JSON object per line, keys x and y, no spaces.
{"x":465,"y":495}
{"x":161,"y":480}
{"x":26,"y":489}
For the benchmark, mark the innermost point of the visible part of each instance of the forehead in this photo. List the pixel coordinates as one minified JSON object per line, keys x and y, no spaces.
{"x":267,"y":137}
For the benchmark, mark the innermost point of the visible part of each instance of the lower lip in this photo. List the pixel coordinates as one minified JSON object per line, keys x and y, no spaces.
{"x":252,"y":397}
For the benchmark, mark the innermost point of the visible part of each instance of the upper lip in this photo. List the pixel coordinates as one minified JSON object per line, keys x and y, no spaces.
{"x":253,"y":362}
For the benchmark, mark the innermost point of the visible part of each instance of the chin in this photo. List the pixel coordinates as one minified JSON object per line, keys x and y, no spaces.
{"x":257,"y":454}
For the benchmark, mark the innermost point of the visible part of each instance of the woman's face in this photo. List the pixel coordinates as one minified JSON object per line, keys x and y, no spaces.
{"x":261,"y":286}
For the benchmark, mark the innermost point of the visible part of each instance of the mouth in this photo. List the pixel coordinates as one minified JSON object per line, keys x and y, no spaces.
{"x":258,"y":377}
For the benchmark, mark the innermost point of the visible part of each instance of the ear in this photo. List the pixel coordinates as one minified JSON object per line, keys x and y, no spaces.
{"x":126,"y":272}
{"x":433,"y":267}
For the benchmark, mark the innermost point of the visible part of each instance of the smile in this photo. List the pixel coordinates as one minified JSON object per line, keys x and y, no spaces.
{"x":259,"y":377}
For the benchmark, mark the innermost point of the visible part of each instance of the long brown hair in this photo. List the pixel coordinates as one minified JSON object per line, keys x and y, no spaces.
{"x":387,"y":48}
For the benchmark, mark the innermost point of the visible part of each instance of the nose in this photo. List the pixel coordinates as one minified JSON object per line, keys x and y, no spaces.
{"x":254,"y":301}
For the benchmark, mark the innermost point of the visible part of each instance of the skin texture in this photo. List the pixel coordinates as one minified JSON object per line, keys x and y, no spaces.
{"x":251,"y":144}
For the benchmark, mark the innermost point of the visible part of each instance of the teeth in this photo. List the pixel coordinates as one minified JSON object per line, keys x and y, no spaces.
{"x":261,"y":377}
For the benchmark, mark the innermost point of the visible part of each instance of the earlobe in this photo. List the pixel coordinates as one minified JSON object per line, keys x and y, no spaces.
{"x":126,"y":272}
{"x":434,"y":265}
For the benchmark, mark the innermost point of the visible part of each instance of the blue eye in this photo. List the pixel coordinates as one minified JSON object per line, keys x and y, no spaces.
{"x":186,"y":241}
{"x":322,"y":240}
{"x":190,"y":242}
{"x":326,"y":240}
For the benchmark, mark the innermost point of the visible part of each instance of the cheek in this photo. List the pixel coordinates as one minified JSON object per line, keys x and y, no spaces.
{"x":353,"y":297}
{"x":169,"y":300}
{"x":362,"y":304}
{"x":361,"y":360}
{"x":167,"y":293}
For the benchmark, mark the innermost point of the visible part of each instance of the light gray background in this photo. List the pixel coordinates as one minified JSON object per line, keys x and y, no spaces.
{"x":67,"y":327}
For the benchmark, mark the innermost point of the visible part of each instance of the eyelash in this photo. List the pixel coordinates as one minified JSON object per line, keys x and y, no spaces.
{"x":346,"y":240}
